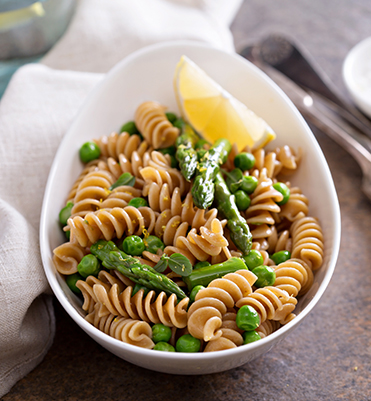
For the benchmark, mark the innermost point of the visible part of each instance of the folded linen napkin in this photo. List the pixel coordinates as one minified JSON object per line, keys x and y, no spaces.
{"x":35,"y":112}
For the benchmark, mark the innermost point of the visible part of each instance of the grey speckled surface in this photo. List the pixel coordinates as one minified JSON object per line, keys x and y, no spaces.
{"x":329,"y":356}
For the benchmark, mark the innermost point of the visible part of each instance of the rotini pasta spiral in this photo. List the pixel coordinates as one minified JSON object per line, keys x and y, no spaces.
{"x":210,"y":242}
{"x":109,"y":224}
{"x":67,"y":256}
{"x":116,"y":144}
{"x":211,"y":303}
{"x":294,"y":276}
{"x":279,"y":241}
{"x":92,"y":190}
{"x":267,"y":160}
{"x":149,"y":308}
{"x":263,"y":201}
{"x":130,"y":331}
{"x":167,"y":224}
{"x":161,"y":199}
{"x":288,"y":159}
{"x":270,"y":303}
{"x":229,"y":321}
{"x":153,"y":124}
{"x":86,"y":288}
{"x":228,"y":339}
{"x":120,"y":197}
{"x":296,"y":207}
{"x":157,"y":177}
{"x":135,"y":163}
{"x":93,"y":194}
{"x":268,"y":327}
{"x":91,"y":166}
{"x":307,"y":242}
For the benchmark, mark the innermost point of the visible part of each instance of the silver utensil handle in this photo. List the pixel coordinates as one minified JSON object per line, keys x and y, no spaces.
{"x":348,"y":113}
{"x":324,"y":118}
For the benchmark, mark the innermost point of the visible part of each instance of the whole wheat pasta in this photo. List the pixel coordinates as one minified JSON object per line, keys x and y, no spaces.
{"x":103,"y":210}
{"x":67,"y":256}
{"x":270,"y":303}
{"x":205,"y":314}
{"x":307,"y":242}
{"x":268,"y":327}
{"x":116,"y":144}
{"x":153,"y":124}
{"x":108,"y":224}
{"x":130,"y":331}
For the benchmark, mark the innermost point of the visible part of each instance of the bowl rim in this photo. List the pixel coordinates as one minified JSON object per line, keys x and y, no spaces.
{"x":149,"y":353}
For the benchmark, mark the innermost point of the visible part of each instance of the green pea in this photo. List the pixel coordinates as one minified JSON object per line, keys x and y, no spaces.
{"x":242,"y":200}
{"x":130,"y":128}
{"x":138,"y":287}
{"x":89,"y":151}
{"x":201,"y":264}
{"x":138,"y":202}
{"x":68,"y":234}
{"x":188,"y":343}
{"x":244,"y":161}
{"x":280,"y":257}
{"x":266,"y":276}
{"x":89,"y":266}
{"x":153,"y":244}
{"x":162,"y":346}
{"x":65,"y":213}
{"x":161,"y":333}
{"x":247,"y":318}
{"x":172,"y":117}
{"x":133,"y":245}
{"x":253,"y":259}
{"x":250,"y":336}
{"x":284,"y":190}
{"x":179,"y":122}
{"x":249,"y":184}
{"x":71,"y":282}
{"x":194,"y":292}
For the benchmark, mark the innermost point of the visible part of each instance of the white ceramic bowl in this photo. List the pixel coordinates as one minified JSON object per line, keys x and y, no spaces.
{"x":357,"y":75}
{"x":147,"y":75}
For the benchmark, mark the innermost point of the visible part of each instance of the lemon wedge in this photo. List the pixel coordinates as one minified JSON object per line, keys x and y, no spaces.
{"x":213,"y":112}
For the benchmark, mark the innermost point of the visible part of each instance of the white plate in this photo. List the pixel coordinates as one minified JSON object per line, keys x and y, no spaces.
{"x":357,"y":75}
{"x":147,"y":75}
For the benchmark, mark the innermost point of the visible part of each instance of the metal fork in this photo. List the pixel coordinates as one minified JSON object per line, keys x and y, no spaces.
{"x":285,"y":56}
{"x":315,"y":110}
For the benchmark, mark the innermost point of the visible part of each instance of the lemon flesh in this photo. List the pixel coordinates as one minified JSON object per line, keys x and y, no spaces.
{"x":213,"y":112}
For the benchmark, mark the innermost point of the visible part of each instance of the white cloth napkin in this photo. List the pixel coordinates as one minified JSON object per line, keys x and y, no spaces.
{"x":35,"y":112}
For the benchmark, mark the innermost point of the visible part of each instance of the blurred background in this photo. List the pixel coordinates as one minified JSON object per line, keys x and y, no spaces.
{"x":328,"y":357}
{"x":28,"y":29}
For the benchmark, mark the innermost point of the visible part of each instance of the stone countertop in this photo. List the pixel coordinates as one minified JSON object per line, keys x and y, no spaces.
{"x":329,"y":356}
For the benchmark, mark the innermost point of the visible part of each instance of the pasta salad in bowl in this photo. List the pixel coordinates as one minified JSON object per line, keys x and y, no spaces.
{"x":189,"y":224}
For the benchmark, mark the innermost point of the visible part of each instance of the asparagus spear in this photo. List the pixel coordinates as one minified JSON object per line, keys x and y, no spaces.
{"x":226,"y":204}
{"x":113,"y":258}
{"x":203,"y":187}
{"x":204,"y":275}
{"x":186,"y":154}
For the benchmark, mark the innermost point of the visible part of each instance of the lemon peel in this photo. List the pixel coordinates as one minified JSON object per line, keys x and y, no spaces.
{"x":213,"y":112}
